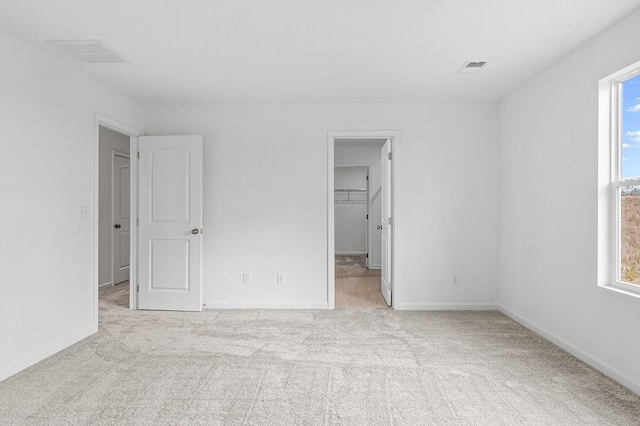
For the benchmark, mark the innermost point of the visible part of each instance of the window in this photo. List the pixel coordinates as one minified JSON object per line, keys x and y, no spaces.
{"x":628,"y":181}
{"x":620,"y":181}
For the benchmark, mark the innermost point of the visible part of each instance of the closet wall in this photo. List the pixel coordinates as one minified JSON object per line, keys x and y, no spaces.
{"x":350,"y":210}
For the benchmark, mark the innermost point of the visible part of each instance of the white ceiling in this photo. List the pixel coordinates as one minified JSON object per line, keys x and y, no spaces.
{"x":315,"y":51}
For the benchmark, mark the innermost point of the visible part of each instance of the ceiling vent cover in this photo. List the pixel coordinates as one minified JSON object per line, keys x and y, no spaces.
{"x":471,"y":67}
{"x":89,"y":51}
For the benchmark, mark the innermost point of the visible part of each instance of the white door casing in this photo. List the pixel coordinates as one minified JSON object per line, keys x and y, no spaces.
{"x":387,"y":224}
{"x":121,"y":217}
{"x":394,"y":136}
{"x":170,"y":230}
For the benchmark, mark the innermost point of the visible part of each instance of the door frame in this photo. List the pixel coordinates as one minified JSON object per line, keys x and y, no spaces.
{"x":117,"y":126}
{"x":394,"y":137}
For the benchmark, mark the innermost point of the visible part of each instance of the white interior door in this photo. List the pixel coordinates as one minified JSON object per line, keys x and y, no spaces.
{"x":170,"y":213}
{"x":120,"y":212}
{"x":387,"y":222}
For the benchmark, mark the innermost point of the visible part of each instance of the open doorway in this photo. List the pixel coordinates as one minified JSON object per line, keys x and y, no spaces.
{"x":114,"y":265}
{"x":356,"y":207}
{"x":361,"y":254}
{"x":351,"y":213}
{"x":114,"y":212}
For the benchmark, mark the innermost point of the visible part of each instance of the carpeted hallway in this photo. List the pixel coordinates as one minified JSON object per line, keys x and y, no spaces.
{"x":355,"y":366}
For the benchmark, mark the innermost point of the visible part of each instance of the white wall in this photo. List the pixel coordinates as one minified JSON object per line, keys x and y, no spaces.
{"x":548,"y":133}
{"x":350,"y":217}
{"x":350,"y":178}
{"x":109,"y":141}
{"x":46,"y":172}
{"x":371,"y":157}
{"x":257,"y":219}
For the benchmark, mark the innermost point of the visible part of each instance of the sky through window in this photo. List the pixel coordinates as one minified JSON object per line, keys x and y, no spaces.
{"x":631,"y":128}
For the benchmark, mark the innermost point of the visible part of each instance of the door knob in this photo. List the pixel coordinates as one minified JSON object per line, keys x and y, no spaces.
{"x":379,"y":226}
{"x":117,"y":226}
{"x":195,"y":231}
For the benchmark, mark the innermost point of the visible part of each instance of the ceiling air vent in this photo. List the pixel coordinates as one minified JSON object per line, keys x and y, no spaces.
{"x":472,"y":67}
{"x":89,"y":51}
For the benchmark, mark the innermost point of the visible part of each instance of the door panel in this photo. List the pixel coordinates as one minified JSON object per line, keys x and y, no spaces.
{"x":121,"y":226}
{"x":387,"y":228}
{"x":170,"y":170}
{"x":170,"y":265}
{"x":170,"y":212}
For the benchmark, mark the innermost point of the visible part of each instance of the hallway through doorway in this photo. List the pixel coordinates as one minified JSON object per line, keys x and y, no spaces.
{"x":356,"y":285}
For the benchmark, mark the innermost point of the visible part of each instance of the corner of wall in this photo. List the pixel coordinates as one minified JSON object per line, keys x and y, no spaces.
{"x":582,"y":355}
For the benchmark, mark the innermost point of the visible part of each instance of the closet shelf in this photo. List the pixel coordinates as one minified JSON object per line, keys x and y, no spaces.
{"x":350,"y":196}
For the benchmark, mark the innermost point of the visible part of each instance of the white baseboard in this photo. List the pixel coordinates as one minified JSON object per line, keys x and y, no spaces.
{"x":375,"y":266}
{"x":446,"y":307}
{"x":575,"y":351}
{"x":109,"y":284}
{"x":257,"y":305}
{"x":43,"y":353}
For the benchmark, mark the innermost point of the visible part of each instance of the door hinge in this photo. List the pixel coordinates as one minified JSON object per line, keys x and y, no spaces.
{"x":138,"y":155}
{"x":367,"y":177}
{"x":138,"y":288}
{"x":367,"y":255}
{"x":390,"y":221}
{"x":138,"y":221}
{"x":367,"y":217}
{"x":390,"y":156}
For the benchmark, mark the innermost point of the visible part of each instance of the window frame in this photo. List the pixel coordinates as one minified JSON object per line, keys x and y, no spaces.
{"x":611,"y":182}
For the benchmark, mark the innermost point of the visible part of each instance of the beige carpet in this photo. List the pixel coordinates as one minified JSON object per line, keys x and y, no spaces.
{"x":348,"y":366}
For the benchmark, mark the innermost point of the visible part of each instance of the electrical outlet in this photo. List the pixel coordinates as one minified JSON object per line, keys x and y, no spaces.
{"x":455,"y":279}
{"x":246,"y":278}
{"x":280,"y":279}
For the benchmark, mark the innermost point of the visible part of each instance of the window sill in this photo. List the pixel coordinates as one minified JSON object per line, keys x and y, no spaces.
{"x":618,"y":287}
